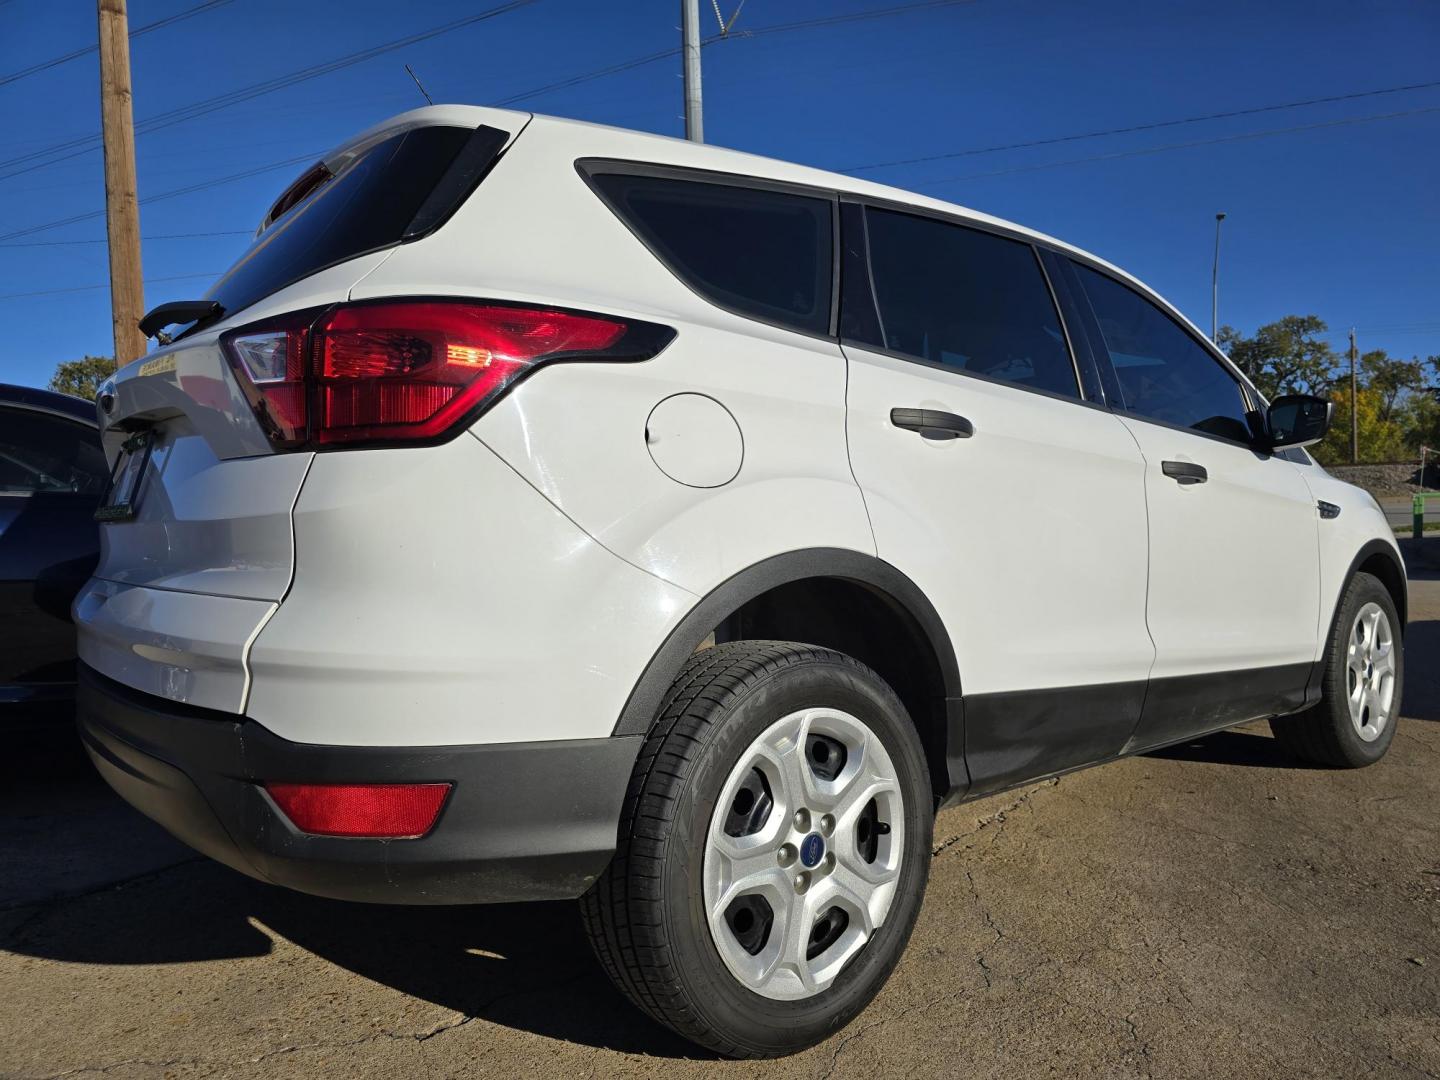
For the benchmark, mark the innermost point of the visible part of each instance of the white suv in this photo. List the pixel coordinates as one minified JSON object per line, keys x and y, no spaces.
{"x":541,"y":510}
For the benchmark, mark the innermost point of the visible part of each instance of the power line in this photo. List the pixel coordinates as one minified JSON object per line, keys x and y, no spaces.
{"x":174,"y":193}
{"x":1404,"y":328}
{"x":157,"y":236}
{"x":71,"y":148}
{"x":599,"y":73}
{"x":835,"y":20}
{"x":1142,"y":127}
{"x":205,"y":185}
{"x":91,"y":288}
{"x":760,"y":31}
{"x":1186,"y":145}
{"x":158,"y":24}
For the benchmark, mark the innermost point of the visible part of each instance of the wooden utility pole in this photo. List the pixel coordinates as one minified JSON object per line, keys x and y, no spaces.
{"x":1354,"y":406}
{"x":122,"y":209}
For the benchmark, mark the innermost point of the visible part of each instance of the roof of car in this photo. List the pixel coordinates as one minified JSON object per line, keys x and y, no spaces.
{"x":602,"y":139}
{"x":77,"y":408}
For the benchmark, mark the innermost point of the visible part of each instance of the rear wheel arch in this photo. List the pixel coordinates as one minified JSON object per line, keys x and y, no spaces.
{"x":839,"y":599}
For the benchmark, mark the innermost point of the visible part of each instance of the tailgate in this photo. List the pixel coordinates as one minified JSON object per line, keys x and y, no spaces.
{"x":211,"y":506}
{"x":199,"y":563}
{"x":196,"y":541}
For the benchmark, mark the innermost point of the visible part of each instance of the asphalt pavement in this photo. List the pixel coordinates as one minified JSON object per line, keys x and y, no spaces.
{"x":1400,"y":512}
{"x":1214,"y":910}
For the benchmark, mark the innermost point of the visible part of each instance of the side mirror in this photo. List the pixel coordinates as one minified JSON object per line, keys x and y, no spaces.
{"x":1297,"y":420}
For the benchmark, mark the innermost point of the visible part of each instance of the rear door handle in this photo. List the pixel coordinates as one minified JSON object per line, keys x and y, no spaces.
{"x":932,"y":424}
{"x":1184,"y":472}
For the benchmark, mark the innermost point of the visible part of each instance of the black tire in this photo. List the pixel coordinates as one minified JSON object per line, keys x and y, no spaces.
{"x":646,"y":915}
{"x":1325,"y":734}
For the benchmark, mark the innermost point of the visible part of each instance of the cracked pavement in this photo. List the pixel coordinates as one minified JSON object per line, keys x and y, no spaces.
{"x":1212,"y":910}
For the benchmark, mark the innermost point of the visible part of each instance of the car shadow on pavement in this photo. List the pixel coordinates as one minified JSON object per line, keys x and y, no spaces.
{"x":525,"y":966}
{"x":1233,"y":747}
{"x":1422,"y":677}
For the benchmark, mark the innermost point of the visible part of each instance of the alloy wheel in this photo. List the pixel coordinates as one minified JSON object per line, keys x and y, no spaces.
{"x":1370,"y":671}
{"x":803,"y":852}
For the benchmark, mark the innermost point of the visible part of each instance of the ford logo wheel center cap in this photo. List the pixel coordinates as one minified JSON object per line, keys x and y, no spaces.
{"x":812,"y":850}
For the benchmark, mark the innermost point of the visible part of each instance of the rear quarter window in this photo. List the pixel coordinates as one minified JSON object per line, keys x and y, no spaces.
{"x":764,"y":254}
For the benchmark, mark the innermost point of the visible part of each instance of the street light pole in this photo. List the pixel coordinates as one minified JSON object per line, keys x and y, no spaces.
{"x":1215,"y":285}
{"x":690,"y":41}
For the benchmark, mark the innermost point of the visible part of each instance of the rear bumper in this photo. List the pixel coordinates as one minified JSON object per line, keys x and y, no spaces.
{"x":525,"y":821}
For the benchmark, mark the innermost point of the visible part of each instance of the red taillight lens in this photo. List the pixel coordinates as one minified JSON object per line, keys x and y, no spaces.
{"x":390,"y":811}
{"x":409,"y":370}
{"x":412,"y":370}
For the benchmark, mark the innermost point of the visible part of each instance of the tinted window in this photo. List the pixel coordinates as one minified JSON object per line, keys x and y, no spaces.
{"x":1164,"y":373}
{"x":762,"y":253}
{"x":366,"y":206}
{"x":40,"y":452}
{"x":968,"y":300}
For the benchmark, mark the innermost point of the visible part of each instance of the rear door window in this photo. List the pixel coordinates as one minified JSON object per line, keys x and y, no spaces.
{"x":1164,"y":373}
{"x":969,"y":300}
{"x":765,"y":254}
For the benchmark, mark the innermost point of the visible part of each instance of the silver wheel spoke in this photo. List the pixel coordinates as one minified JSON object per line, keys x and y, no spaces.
{"x":1385,"y":659}
{"x":783,"y":748}
{"x":1357,"y":693}
{"x":795,"y":939}
{"x":865,"y":895}
{"x":743,"y":869}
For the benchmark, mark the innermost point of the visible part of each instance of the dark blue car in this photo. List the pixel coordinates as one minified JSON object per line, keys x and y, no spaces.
{"x":52,"y":476}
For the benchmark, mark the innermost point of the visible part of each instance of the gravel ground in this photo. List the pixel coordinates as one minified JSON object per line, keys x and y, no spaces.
{"x":1213,"y":910}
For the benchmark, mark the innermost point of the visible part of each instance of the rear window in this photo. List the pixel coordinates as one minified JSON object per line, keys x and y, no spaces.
{"x":765,"y":254}
{"x":368,"y":205}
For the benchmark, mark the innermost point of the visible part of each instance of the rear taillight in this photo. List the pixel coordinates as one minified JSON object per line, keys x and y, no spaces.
{"x":380,"y":811}
{"x":410,"y":370}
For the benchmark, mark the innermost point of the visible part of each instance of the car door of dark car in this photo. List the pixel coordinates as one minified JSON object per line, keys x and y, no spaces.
{"x":52,"y":474}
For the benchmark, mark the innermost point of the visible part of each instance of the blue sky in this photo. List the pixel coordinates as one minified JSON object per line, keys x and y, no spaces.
{"x":1341,"y":220}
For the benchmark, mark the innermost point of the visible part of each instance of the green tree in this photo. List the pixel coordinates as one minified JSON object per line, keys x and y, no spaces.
{"x":1379,"y":439}
{"x":82,"y":377}
{"x":1420,"y":418}
{"x":1290,"y":356}
{"x":1391,"y":378}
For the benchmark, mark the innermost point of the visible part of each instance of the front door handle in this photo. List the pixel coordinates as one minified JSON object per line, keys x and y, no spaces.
{"x":1185,"y":472}
{"x":932,"y":424}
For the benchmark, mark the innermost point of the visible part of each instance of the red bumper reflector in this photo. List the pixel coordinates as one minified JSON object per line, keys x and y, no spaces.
{"x":389,"y":811}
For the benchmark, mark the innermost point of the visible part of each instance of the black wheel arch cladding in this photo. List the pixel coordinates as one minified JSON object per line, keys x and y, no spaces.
{"x":839,"y":584}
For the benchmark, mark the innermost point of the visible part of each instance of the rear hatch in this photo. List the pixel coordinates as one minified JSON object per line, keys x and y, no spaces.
{"x":197,"y":545}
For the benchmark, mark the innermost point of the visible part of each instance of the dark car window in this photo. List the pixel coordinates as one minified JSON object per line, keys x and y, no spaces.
{"x":367,"y":205}
{"x":767,"y":254}
{"x":1164,"y":373}
{"x":44,"y":453}
{"x":969,"y":300}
